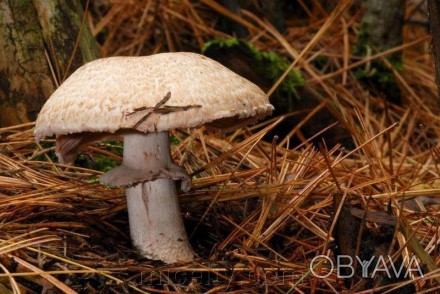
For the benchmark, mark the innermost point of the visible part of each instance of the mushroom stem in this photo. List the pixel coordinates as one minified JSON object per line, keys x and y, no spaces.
{"x":156,"y":225}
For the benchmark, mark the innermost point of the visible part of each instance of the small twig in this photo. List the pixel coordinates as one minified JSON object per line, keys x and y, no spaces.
{"x":159,"y":104}
{"x":158,"y":109}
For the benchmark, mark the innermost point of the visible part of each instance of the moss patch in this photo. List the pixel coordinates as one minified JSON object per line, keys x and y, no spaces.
{"x":376,"y":74}
{"x":269,"y":65}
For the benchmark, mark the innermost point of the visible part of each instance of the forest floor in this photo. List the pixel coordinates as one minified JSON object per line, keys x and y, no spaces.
{"x":365,"y":183}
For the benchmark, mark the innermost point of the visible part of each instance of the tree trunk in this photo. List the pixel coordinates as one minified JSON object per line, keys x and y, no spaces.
{"x":273,"y":11}
{"x":61,"y":22}
{"x":38,"y":39}
{"x":230,"y":26}
{"x":382,"y":23}
{"x":270,"y":10}
{"x":380,"y":30}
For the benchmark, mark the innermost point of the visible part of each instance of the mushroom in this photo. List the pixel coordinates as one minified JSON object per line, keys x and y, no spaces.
{"x":142,"y":98}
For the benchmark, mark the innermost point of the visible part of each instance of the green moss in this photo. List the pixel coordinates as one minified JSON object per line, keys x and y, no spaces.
{"x":92,"y":180}
{"x":101,"y":162}
{"x":115,"y":147}
{"x":268,"y":65}
{"x":228,"y":43}
{"x":362,"y":45}
{"x":272,"y":66}
{"x":105,"y":164}
{"x":174,"y":140}
{"x":97,"y":161}
{"x":378,"y":76}
{"x":376,"y":73}
{"x":50,"y":153}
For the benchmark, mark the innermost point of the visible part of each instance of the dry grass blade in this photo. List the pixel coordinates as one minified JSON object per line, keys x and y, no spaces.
{"x":63,"y":287}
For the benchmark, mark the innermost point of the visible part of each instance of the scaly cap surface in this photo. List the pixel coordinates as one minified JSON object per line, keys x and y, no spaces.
{"x":99,"y":96}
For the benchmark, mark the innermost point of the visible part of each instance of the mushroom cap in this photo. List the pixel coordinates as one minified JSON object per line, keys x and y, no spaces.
{"x":110,"y":94}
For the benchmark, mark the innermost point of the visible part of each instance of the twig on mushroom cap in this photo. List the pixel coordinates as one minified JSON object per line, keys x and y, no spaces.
{"x":159,"y":104}
{"x":157,"y":109}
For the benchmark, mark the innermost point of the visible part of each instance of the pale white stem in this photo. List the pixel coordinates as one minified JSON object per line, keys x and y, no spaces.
{"x":156,"y":226}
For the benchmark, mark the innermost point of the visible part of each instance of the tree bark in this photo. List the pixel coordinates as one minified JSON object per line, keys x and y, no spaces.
{"x":273,"y":11}
{"x":270,"y":10}
{"x":380,"y":30}
{"x":231,"y":26}
{"x":61,"y":22}
{"x":38,"y":39}
{"x":25,"y":79}
{"x":382,"y":23}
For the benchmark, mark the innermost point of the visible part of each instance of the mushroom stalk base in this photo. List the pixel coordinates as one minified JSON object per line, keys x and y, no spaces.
{"x":156,"y":226}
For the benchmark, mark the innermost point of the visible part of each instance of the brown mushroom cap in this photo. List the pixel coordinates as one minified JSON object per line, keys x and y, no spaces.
{"x":102,"y":95}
